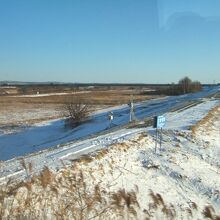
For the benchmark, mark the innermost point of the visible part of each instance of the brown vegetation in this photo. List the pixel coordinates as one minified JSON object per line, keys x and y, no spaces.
{"x":16,"y":110}
{"x":205,"y":122}
{"x":68,"y":196}
{"x":185,"y":85}
{"x":76,"y":111}
{"x":77,"y":192}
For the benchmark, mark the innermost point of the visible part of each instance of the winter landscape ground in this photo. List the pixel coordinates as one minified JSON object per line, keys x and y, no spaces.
{"x":118,"y":174}
{"x":109,"y":110}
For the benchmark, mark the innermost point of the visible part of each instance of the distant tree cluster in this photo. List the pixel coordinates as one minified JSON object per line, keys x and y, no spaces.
{"x":186,"y":85}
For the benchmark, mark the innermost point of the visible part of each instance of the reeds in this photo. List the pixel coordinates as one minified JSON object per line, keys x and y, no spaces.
{"x":209,"y":212}
{"x":205,"y":122}
{"x":158,"y":203}
{"x":80,"y":192}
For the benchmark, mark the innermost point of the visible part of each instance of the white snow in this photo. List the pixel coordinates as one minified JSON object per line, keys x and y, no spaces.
{"x":52,"y":94}
{"x":184,"y":119}
{"x":185,"y":171}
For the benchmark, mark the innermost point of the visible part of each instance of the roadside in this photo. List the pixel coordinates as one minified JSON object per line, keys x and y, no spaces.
{"x":127,"y":178}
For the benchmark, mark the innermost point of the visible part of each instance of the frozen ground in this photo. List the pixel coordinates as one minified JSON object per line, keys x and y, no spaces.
{"x":129,"y":179}
{"x":52,"y":94}
{"x":53,"y":133}
{"x":15,"y":118}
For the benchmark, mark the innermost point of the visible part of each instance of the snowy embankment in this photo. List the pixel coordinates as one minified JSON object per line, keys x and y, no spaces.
{"x":128,"y":180}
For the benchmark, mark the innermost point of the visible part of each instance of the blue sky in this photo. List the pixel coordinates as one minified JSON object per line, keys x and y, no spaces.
{"x":121,"y":41}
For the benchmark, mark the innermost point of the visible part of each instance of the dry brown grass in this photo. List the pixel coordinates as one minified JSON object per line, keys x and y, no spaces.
{"x":158,"y":203}
{"x":85,"y":159}
{"x":77,"y":192}
{"x":123,"y":147}
{"x":141,"y":137}
{"x":69,"y":196}
{"x":51,"y":107}
{"x":95,"y":97}
{"x":100,"y":154}
{"x":46,"y":177}
{"x":207,"y":121}
{"x":28,"y":167}
{"x":76,"y":199}
{"x":209,"y":212}
{"x":125,"y":203}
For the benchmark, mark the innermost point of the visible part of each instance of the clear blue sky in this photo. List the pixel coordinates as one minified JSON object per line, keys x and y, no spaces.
{"x":122,"y":41}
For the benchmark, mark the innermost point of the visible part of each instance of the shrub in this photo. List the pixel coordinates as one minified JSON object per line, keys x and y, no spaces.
{"x":76,"y":111}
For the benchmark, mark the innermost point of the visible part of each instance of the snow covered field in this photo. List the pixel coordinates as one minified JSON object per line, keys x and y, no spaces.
{"x":14,"y":119}
{"x":53,"y":133}
{"x":52,"y":94}
{"x":125,"y":178}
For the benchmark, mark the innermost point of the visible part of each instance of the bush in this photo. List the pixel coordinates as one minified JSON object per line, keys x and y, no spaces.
{"x":76,"y":111}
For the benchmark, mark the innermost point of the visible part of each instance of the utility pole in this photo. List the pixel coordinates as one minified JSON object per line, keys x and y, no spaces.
{"x":131,"y":105}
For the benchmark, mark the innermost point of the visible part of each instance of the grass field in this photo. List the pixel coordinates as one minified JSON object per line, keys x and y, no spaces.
{"x":25,"y":108}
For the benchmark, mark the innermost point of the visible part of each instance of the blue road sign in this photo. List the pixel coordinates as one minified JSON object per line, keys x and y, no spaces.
{"x":159,"y":121}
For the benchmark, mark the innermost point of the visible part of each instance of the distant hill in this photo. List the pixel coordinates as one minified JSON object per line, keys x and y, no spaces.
{"x":27,"y":83}
{"x":51,"y":83}
{"x":20,"y":83}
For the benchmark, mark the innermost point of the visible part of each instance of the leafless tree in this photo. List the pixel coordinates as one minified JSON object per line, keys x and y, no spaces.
{"x":185,"y":84}
{"x":76,"y":111}
{"x":196,"y":86}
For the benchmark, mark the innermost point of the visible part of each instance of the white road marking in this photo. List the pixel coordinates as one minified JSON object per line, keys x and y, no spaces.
{"x":11,"y":175}
{"x":83,"y":149}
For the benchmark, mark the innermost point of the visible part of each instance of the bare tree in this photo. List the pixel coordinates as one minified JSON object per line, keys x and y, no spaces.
{"x":196,"y":86}
{"x":76,"y":111}
{"x":185,"y":84}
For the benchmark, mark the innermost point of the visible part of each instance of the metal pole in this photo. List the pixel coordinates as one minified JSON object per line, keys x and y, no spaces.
{"x":160,"y":138}
{"x":156,"y":141}
{"x":131,"y":111}
{"x":131,"y":105}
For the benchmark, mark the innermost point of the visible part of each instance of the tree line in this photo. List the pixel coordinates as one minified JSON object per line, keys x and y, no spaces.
{"x":185,"y":85}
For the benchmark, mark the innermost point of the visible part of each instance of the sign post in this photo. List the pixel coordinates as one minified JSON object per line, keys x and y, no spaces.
{"x":110,"y":118}
{"x":156,"y":140}
{"x":161,"y":137}
{"x":131,"y":106}
{"x":159,"y":123}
